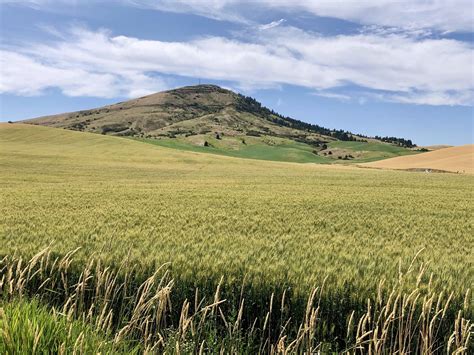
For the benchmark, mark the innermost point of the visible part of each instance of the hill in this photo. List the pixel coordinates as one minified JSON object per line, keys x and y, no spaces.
{"x":211,"y":119}
{"x":454,"y":159}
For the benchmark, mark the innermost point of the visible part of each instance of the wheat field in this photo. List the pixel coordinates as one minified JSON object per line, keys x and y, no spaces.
{"x":453,"y":159}
{"x":253,"y":230}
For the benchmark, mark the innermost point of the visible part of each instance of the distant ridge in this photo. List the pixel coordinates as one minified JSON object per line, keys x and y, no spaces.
{"x":436,"y":147}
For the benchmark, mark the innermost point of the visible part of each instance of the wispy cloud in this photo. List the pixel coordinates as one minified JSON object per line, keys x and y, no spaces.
{"x":332,"y":95}
{"x":432,"y":98}
{"x":97,"y":63}
{"x":272,"y":24}
{"x":442,"y":15}
{"x":224,"y":10}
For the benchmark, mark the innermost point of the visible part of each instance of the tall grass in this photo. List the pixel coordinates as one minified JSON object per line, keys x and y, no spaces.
{"x":125,"y":312}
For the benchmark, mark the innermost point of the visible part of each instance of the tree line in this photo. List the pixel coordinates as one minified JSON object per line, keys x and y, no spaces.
{"x":249,"y":104}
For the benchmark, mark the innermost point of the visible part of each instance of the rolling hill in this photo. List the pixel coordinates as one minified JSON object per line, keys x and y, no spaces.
{"x":454,"y":159}
{"x":208,"y":118}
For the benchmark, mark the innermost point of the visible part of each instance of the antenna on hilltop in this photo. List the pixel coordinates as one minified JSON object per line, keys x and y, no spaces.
{"x":199,"y":81}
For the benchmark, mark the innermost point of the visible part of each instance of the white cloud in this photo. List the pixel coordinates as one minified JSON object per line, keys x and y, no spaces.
{"x":29,"y":75}
{"x":428,"y":71}
{"x":24,"y":75}
{"x":394,"y":62}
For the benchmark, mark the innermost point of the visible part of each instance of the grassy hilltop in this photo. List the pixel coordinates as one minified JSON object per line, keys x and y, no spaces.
{"x":273,"y":231}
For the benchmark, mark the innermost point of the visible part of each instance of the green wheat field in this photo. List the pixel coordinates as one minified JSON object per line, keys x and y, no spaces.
{"x":113,"y":245}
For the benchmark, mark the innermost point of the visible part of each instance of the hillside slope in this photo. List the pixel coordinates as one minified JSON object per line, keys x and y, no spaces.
{"x":455,"y":159}
{"x":211,"y":119}
{"x":186,"y":111}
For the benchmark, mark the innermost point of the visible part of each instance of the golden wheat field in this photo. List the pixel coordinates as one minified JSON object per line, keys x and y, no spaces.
{"x":453,"y":159}
{"x":266,"y":227}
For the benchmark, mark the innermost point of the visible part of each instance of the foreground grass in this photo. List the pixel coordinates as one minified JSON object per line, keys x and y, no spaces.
{"x":27,"y":327}
{"x":97,"y":309}
{"x":276,"y":228}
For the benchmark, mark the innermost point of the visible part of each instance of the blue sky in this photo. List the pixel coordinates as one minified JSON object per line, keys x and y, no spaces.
{"x":375,"y":67}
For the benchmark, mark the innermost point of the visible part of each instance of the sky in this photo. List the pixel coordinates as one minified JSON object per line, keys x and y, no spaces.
{"x":376,"y":67}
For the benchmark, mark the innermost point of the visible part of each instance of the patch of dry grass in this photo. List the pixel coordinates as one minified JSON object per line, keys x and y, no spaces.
{"x":453,"y":159}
